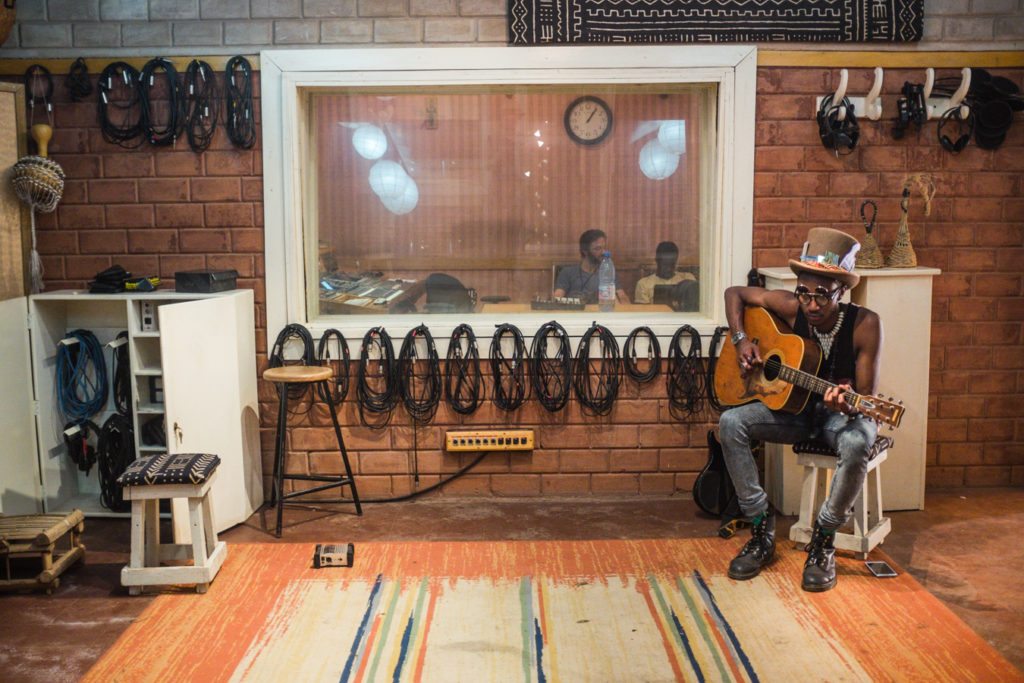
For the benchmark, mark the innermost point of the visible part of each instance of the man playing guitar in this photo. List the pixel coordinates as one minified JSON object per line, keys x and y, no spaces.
{"x":850,"y":338}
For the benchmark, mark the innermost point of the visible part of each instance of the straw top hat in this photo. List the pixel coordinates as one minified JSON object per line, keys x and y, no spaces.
{"x":829,"y":253}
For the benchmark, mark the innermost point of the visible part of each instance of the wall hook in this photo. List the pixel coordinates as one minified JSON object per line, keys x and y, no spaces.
{"x":872,"y":108}
{"x":937,"y":106}
{"x":840,"y":93}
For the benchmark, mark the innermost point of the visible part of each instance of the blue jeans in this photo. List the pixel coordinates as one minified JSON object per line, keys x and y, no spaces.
{"x":850,"y":438}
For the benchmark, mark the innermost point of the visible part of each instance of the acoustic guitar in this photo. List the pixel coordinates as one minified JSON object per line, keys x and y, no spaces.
{"x":787,"y":379}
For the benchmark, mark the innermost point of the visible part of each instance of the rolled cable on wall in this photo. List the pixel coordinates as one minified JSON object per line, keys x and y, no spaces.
{"x":239,"y":121}
{"x":419,"y":383}
{"x":340,"y":362}
{"x":114,"y":452}
{"x":551,"y":366}
{"x":291,"y":335}
{"x":596,"y":375}
{"x":81,"y":376}
{"x":376,"y":381}
{"x":685,"y":378}
{"x":630,"y":360}
{"x":508,"y":370}
{"x":202,"y":105}
{"x":712,"y":364}
{"x":122,"y":375}
{"x":160,"y":133}
{"x":462,"y":377}
{"x":119,"y":107}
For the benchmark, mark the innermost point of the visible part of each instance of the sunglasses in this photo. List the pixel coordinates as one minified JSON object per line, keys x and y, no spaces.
{"x":804,"y":296}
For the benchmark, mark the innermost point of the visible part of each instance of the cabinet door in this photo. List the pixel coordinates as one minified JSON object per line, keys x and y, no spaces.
{"x":20,"y":492}
{"x":207,"y":350}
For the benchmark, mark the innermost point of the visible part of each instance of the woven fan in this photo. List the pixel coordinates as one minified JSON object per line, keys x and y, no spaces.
{"x":902,"y":254}
{"x":39,"y":182}
{"x":869,"y":256}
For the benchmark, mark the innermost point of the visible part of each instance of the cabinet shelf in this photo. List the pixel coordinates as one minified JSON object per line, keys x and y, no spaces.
{"x":150,"y":372}
{"x":146,"y":335}
{"x":150,"y":409}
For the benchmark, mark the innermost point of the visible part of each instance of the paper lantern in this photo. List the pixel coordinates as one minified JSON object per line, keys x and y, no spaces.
{"x":388,"y":179}
{"x":672,"y":136}
{"x":656,"y":162}
{"x":405,"y":202}
{"x":370,"y":142}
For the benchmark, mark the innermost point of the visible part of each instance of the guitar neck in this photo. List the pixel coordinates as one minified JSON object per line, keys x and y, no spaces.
{"x":806,"y":380}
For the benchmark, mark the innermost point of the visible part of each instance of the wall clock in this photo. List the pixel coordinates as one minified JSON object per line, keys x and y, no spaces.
{"x":588,"y":120}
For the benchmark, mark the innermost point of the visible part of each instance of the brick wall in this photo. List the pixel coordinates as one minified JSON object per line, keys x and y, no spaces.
{"x":162,"y":210}
{"x":72,"y":28}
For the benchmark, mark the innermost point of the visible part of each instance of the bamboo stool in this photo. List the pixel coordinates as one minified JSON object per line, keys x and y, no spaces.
{"x":870,"y":526}
{"x":37,"y":536}
{"x":146,"y":482}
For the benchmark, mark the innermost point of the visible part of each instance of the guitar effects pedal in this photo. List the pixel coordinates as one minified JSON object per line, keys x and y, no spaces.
{"x":339,"y":555}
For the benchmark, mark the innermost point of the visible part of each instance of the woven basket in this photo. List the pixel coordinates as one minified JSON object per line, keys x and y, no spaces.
{"x":902,"y":254}
{"x":869,"y":256}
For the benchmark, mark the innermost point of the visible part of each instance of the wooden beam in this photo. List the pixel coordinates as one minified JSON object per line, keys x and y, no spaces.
{"x":890,"y":60}
{"x":17,"y":67}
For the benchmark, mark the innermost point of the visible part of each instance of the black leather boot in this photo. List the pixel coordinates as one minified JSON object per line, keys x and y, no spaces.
{"x":820,"y":568}
{"x":758,"y":552}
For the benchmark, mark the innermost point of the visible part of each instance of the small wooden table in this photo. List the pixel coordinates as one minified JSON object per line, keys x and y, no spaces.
{"x":37,"y":536}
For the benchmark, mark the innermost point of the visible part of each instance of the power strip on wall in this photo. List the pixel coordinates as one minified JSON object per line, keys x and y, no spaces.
{"x":490,"y":440}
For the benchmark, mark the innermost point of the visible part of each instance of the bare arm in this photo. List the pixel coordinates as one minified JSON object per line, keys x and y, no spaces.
{"x":621,"y":296}
{"x":867,"y":344}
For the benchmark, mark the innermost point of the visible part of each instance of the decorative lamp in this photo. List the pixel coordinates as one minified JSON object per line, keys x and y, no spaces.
{"x":370,"y":142}
{"x":405,"y":202}
{"x":672,"y":136}
{"x":388,"y":179}
{"x":656,"y":162}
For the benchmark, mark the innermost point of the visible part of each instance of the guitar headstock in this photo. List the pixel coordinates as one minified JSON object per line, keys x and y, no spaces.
{"x":881,"y":409}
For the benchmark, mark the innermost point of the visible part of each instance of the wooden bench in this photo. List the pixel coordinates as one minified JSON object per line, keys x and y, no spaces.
{"x":36,"y":536}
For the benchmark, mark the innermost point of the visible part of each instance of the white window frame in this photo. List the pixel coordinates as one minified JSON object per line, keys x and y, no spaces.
{"x":725,"y":249}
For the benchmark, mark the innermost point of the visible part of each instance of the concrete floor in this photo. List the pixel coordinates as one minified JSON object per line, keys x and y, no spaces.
{"x":964,"y":548}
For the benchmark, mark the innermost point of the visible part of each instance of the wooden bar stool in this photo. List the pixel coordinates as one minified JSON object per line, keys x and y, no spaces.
{"x":870,"y":527}
{"x":285,"y":378}
{"x":146,"y":482}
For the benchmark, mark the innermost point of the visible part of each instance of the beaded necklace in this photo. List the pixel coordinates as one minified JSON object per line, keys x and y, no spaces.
{"x":825,"y":339}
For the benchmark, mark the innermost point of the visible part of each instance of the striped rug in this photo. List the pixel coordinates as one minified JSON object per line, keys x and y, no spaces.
{"x":658,"y":610}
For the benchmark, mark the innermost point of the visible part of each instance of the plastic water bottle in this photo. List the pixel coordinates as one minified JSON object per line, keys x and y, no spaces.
{"x":606,"y":283}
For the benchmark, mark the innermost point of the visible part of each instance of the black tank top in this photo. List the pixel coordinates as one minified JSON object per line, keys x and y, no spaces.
{"x":841,"y":364}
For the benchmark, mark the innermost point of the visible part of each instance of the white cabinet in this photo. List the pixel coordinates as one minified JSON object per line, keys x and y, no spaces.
{"x":902,"y":298}
{"x":194,"y":369}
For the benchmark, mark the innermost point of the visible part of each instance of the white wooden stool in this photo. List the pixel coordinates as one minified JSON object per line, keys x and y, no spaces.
{"x":870,"y":527}
{"x":146,"y":482}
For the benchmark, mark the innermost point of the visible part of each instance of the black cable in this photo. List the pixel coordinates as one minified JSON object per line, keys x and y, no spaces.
{"x":116,"y":450}
{"x":712,"y":365}
{"x":289,"y":333}
{"x":77,"y":81}
{"x":238,"y":115}
{"x":595,"y":377}
{"x":202,"y":105}
{"x":34,"y":93}
{"x":462,"y":377}
{"x":420,"y":390}
{"x":122,"y":376}
{"x":509,"y":372}
{"x":165,"y":133}
{"x":81,"y":376}
{"x":378,"y":392}
{"x":123,"y":129}
{"x":551,"y":375}
{"x":629,"y":357}
{"x":77,"y":446}
{"x":340,"y":364}
{"x":436,"y":485}
{"x":685,"y":378}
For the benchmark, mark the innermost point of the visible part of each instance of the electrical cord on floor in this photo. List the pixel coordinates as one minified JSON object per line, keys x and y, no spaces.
{"x":596,"y":377}
{"x":115,"y":451}
{"x":161,"y":134}
{"x":122,"y":376}
{"x":377,"y":391}
{"x":685,"y":378}
{"x":629,"y":357}
{"x":432,"y":487}
{"x":202,"y":105}
{"x":509,"y":372}
{"x":76,"y":443}
{"x":124,"y":128}
{"x":712,"y":364}
{"x":551,"y":373}
{"x":462,"y":377}
{"x":81,"y":376}
{"x":340,"y":364}
{"x":239,"y":121}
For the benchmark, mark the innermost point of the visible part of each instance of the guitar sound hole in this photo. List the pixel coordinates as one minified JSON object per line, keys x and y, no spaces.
{"x":771,"y":368}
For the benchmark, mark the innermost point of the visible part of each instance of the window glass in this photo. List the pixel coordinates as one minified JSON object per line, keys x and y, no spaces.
{"x":473,"y":199}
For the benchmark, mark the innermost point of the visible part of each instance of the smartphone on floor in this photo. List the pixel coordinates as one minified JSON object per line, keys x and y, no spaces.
{"x":881,"y":569}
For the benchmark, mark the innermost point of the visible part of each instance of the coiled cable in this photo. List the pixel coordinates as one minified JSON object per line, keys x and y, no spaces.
{"x":462,"y":377}
{"x":596,"y":377}
{"x":119,"y":92}
{"x":420,"y":389}
{"x":377,"y":391}
{"x":288,"y":334}
{"x":712,"y":365}
{"x":339,"y":363}
{"x":122,"y":376}
{"x":509,"y":372}
{"x":239,"y":121}
{"x":202,"y":105}
{"x":81,"y":376}
{"x":630,"y":360}
{"x":114,"y":452}
{"x":165,"y":133}
{"x":77,"y":81}
{"x":551,"y":372}
{"x":76,"y":443}
{"x":685,"y":378}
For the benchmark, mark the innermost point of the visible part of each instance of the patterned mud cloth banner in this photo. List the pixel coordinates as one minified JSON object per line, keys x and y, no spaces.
{"x":539,"y":22}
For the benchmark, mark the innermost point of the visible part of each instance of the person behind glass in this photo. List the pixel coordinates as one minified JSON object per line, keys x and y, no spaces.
{"x":666,"y":256}
{"x":850,"y":338}
{"x":580,"y":281}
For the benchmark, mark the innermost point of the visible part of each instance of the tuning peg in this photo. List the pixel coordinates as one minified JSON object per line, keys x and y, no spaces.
{"x":901,"y":402}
